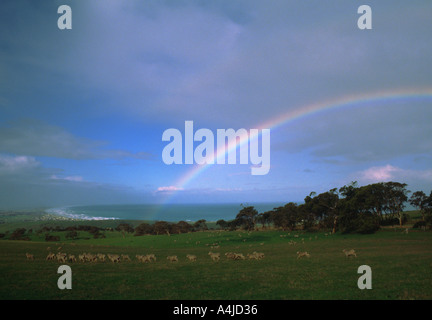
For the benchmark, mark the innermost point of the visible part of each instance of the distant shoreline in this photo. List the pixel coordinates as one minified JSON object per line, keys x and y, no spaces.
{"x":157,"y":212}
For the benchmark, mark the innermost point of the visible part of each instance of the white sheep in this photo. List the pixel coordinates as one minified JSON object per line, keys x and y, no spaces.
{"x":257,"y":255}
{"x":61,"y":257}
{"x":172,"y":258}
{"x":91,"y":257}
{"x":239,"y":256}
{"x":115,"y":258}
{"x":349,"y":253}
{"x":50,"y":256}
{"x":230,"y":255}
{"x":125,"y":257}
{"x":191,"y":257}
{"x":301,"y":254}
{"x":214,"y":256}
{"x":29,"y":256}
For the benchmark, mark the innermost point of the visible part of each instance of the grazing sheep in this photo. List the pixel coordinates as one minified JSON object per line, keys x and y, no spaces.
{"x":251,"y":256}
{"x":147,"y":258}
{"x":125,"y":257}
{"x":349,"y":253}
{"x":301,"y":254}
{"x":256,"y":255}
{"x":172,"y":258}
{"x":235,"y":256}
{"x":29,"y":256}
{"x":191,"y":257}
{"x":50,"y":256}
{"x":101,"y":257}
{"x":230,"y":255}
{"x":115,"y":258}
{"x":142,"y":258}
{"x":239,"y":256}
{"x":90,"y":257}
{"x":61,"y":257}
{"x":214,"y":256}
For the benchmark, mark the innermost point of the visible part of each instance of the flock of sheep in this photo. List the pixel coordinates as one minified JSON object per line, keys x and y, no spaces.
{"x":115,"y":258}
{"x":214,"y":256}
{"x":348,"y":253}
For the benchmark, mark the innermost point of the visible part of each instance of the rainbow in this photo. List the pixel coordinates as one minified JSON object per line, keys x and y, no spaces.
{"x":350,"y":101}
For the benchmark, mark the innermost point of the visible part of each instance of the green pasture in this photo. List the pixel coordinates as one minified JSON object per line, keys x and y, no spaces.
{"x":401,"y":266}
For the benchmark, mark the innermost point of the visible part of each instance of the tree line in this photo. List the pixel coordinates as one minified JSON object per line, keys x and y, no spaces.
{"x":349,"y":209}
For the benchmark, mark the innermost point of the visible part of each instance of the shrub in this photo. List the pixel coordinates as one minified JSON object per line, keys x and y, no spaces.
{"x":364,"y":223}
{"x":18,"y":234}
{"x":72,"y":235}
{"x":49,"y":237}
{"x":419,"y":224}
{"x":144,"y":228}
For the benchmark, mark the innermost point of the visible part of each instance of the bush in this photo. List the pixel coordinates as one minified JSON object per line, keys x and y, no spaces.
{"x":49,"y":237}
{"x":18,"y":234}
{"x":389,"y":221}
{"x":419,"y":224}
{"x":144,"y":228}
{"x":72,"y":235}
{"x":364,"y":223}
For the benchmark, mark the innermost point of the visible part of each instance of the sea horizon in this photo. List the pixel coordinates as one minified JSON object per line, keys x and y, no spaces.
{"x":159,"y":212}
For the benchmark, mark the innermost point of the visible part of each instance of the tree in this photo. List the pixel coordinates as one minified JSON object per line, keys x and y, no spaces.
{"x":71,"y":235}
{"x":396,"y":196}
{"x":325,"y":207}
{"x":285,"y":217}
{"x":246,"y":217}
{"x":161,"y":227}
{"x":264,"y":218}
{"x":361,"y":208}
{"x":183,"y":227}
{"x":18,"y":234}
{"x":144,"y":228}
{"x":420,"y":201}
{"x":49,"y":237}
{"x":222,"y":224}
{"x":200,"y":225}
{"x":124,"y":227}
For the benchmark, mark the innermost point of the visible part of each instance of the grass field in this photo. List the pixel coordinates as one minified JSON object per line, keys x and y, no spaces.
{"x":401,"y":267}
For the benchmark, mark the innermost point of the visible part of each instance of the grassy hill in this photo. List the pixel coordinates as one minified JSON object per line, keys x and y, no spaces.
{"x":400,"y":264}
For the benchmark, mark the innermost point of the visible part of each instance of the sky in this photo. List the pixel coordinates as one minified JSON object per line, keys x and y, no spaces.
{"x":83,"y":111}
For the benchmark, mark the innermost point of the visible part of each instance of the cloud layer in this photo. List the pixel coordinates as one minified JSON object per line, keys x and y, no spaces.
{"x":82,"y":111}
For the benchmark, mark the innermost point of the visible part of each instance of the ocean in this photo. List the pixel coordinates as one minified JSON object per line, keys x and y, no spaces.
{"x":167,"y":212}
